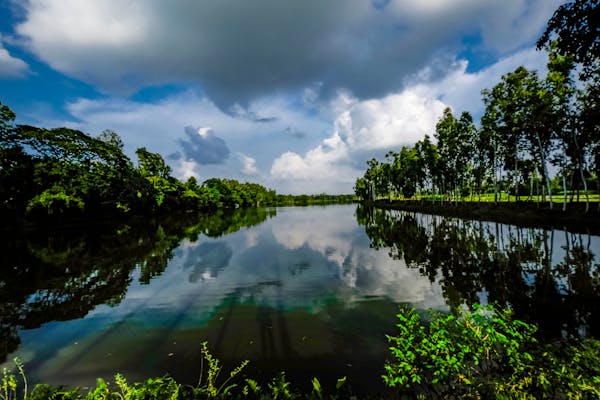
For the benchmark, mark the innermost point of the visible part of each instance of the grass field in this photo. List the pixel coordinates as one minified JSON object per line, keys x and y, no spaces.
{"x":505,"y":197}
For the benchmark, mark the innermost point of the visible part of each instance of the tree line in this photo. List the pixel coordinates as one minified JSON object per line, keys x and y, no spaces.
{"x":532,"y":126}
{"x":64,"y":171}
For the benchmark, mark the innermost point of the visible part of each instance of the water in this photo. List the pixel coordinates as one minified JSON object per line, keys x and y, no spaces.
{"x":308,"y":290}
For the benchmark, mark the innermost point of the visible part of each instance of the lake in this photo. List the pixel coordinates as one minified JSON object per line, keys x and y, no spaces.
{"x":307,"y":290}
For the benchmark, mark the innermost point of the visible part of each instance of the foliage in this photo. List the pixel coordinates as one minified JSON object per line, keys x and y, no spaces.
{"x":485,"y":353}
{"x":478,"y":353}
{"x":211,"y":388}
{"x":62,"y":171}
{"x":529,"y":122}
{"x":574,"y":30}
{"x":315,"y":199}
{"x":9,"y":382}
{"x":165,"y":388}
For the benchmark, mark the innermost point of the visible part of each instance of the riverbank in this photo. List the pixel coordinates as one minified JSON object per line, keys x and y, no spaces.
{"x":538,"y":215}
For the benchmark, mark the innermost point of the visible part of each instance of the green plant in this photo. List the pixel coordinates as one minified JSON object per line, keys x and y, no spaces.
{"x":211,"y":387}
{"x":9,"y":383}
{"x":458,"y":354}
{"x":281,"y":388}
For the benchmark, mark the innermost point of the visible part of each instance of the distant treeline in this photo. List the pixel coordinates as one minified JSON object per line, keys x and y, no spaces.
{"x":537,"y":136}
{"x":65,"y":172}
{"x":313,"y":199}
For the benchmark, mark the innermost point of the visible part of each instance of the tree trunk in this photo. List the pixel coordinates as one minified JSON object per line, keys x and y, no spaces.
{"x":516,"y":178}
{"x":564,"y":180}
{"x":531,"y":187}
{"x":585,"y":190}
{"x":571,"y":185}
{"x":544,"y":171}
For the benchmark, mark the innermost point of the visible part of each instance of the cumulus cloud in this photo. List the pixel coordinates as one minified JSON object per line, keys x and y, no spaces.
{"x":11,"y":67}
{"x":242,"y":51}
{"x":364,"y":129}
{"x":249,"y":166}
{"x":368,"y":127}
{"x":341,"y":134}
{"x":203,"y":146}
{"x":462,"y":89}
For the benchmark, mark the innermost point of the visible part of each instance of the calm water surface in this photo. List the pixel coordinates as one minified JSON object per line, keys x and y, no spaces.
{"x":311,"y":291}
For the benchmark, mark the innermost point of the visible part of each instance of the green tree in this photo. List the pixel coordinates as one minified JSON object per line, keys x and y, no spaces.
{"x":407,"y":171}
{"x":519,"y":112}
{"x":152,"y":164}
{"x":574,"y":30}
{"x":455,"y":146}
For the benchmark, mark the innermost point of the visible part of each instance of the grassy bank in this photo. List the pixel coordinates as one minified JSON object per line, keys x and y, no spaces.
{"x":531,"y":214}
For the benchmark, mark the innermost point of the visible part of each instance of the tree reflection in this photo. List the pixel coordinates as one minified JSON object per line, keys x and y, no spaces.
{"x":478,"y":261}
{"x":62,"y":275}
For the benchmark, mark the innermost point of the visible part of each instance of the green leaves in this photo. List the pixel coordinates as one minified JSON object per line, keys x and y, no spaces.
{"x":455,"y":353}
{"x":484,"y":353}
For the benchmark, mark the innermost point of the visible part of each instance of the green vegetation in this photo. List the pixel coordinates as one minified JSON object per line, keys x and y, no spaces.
{"x":62,"y":171}
{"x":531,"y":127}
{"x":478,"y":353}
{"x":65,"y":172}
{"x":315,"y":199}
{"x":485,"y":353}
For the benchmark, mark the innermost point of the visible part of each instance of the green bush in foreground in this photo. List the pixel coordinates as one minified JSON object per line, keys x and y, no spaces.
{"x":485,"y":353}
{"x":481,"y":353}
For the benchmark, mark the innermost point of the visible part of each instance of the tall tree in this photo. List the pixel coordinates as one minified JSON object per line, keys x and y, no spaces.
{"x":574,"y":30}
{"x":519,"y":110}
{"x":455,"y":145}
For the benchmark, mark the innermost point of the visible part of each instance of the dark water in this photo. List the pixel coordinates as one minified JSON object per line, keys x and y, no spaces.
{"x":311,"y":291}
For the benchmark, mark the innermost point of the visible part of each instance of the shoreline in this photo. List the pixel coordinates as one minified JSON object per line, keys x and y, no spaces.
{"x":530,"y":214}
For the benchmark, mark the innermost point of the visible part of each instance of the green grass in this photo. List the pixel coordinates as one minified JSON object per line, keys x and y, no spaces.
{"x":557,"y":198}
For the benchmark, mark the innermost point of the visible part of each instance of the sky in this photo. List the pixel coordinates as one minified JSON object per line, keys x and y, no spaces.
{"x":295,"y":95}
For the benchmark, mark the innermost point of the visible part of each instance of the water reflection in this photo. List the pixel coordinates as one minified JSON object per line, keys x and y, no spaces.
{"x":311,"y":291}
{"x":302,"y":292}
{"x":550,"y":277}
{"x":64,"y":275}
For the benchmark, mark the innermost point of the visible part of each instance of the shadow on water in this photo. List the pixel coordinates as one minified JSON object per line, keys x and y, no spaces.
{"x":549,"y":277}
{"x":62,"y":274}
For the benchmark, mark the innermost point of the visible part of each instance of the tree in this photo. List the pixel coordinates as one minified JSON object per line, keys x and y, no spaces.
{"x":428,"y":152}
{"x":575,"y":30}
{"x":407,"y":171}
{"x":455,"y":146}
{"x":519,"y":111}
{"x":152,"y":164}
{"x":7,"y":117}
{"x":111,"y":137}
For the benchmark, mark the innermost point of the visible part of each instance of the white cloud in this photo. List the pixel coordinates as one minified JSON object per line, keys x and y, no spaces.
{"x":249,"y":166}
{"x":160,"y":127}
{"x":368,"y":128}
{"x":462,"y":90}
{"x":186,"y":169}
{"x":365,"y":128}
{"x":11,"y":67}
{"x":337,"y":137}
{"x":240,"y":51}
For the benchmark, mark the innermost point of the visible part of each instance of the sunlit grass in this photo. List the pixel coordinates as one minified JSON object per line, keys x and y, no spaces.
{"x":504,"y":197}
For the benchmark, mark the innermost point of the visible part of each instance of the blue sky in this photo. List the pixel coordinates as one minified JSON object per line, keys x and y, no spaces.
{"x":295,"y":95}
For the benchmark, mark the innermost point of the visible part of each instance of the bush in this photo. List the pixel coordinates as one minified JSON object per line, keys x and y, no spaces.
{"x":485,"y":353}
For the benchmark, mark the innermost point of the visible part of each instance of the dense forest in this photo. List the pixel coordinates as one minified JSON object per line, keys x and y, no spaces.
{"x":538,"y":136}
{"x":65,"y":172}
